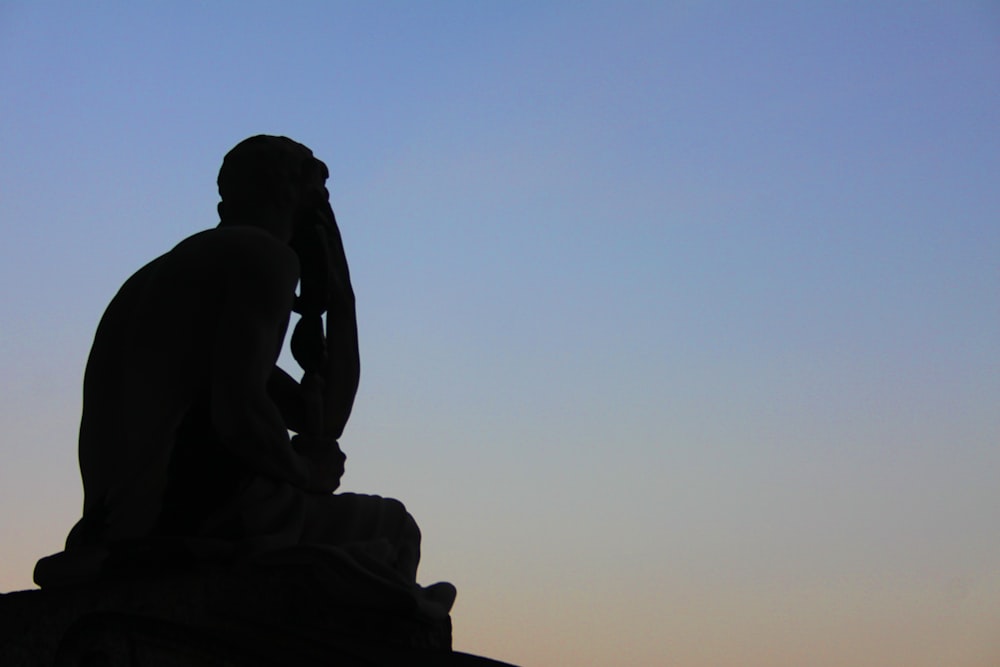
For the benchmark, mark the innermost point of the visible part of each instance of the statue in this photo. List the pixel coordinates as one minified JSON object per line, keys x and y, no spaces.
{"x":184,"y":441}
{"x":209,"y":534}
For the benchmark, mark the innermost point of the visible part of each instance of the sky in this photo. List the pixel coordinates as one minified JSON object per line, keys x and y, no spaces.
{"x":679,"y":320}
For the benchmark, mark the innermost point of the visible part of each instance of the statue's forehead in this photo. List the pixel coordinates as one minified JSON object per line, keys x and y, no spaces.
{"x":267,"y":148}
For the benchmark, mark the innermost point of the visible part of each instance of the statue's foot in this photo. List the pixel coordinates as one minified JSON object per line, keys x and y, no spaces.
{"x":441,"y":593}
{"x":79,"y":565}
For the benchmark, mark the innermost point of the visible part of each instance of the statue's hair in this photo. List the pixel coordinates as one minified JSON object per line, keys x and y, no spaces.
{"x":263,"y":170}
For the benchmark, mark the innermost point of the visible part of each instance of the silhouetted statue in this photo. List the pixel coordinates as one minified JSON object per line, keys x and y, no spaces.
{"x":184,"y":442}
{"x":209,"y":535}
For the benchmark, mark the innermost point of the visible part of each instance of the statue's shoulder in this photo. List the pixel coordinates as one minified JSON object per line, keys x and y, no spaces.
{"x":236,"y":240}
{"x":239,"y":249}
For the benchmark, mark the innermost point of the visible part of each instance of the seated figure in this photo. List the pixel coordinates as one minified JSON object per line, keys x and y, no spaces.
{"x":185,"y":441}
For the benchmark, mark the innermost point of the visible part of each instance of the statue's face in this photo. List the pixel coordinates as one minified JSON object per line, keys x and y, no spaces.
{"x":312,"y":205}
{"x":275,"y":183}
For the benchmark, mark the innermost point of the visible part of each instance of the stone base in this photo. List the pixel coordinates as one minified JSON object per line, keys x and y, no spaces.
{"x":251,"y":616}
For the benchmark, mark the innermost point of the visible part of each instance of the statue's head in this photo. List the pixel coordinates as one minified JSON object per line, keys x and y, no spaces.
{"x":271,"y":182}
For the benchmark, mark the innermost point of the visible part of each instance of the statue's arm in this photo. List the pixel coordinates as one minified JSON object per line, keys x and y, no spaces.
{"x":260,"y":282}
{"x":286,"y":393}
{"x":343,"y":370}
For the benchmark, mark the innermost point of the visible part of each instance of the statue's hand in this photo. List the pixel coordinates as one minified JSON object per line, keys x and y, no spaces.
{"x":325,"y":461}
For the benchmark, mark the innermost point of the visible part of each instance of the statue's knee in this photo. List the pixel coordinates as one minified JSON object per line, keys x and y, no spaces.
{"x":407,"y":517}
{"x":395,"y":507}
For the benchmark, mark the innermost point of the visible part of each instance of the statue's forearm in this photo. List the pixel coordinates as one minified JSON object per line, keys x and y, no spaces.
{"x":343,"y":371}
{"x":329,"y":357}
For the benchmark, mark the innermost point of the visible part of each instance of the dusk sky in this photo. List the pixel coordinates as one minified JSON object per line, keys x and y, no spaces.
{"x":680,"y":321}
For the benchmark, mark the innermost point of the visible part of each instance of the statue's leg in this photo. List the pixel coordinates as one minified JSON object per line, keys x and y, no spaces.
{"x":350,"y":518}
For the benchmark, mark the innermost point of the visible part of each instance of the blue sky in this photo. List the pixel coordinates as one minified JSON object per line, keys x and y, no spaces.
{"x":679,"y":320}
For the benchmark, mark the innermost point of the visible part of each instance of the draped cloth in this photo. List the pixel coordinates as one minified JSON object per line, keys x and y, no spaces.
{"x":358,"y":549}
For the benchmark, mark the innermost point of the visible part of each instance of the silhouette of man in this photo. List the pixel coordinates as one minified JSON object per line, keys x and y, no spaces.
{"x":186,"y":417}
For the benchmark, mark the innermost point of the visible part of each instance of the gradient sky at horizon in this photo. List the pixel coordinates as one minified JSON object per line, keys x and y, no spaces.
{"x":679,"y":321}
